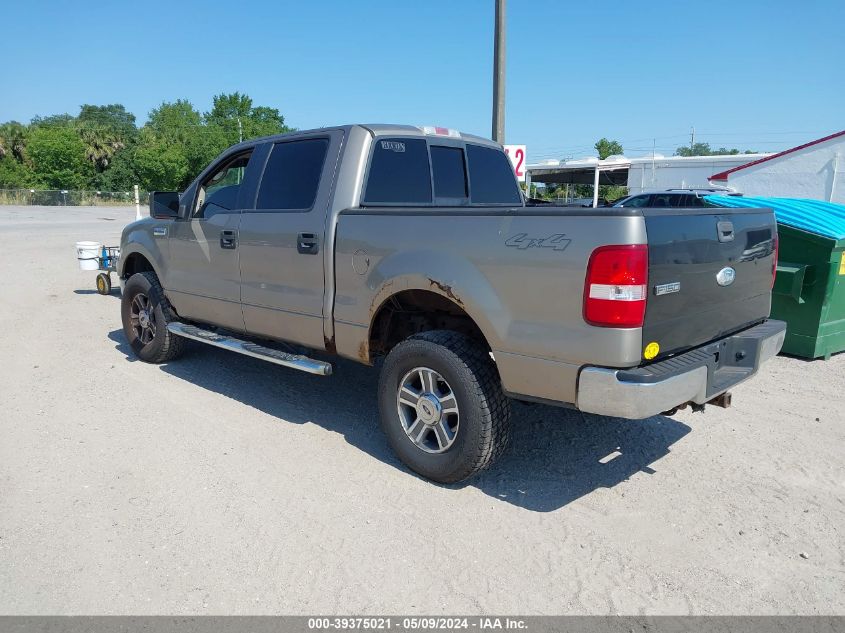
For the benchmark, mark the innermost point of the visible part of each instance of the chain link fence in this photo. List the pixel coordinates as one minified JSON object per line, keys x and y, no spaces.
{"x":73,"y":198}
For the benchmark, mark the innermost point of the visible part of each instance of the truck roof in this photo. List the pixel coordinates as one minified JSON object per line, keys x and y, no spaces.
{"x":376,"y":129}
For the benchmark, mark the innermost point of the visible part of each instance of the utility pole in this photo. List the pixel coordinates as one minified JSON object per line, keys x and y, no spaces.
{"x":692,"y":138}
{"x":653,"y":147}
{"x":240,"y":131}
{"x":499,"y":74}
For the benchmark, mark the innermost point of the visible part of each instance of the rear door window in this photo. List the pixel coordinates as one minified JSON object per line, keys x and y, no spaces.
{"x":638,"y":201}
{"x":663,"y":200}
{"x":292,"y":175}
{"x":491,"y":176}
{"x":450,"y":177}
{"x":399,"y":172}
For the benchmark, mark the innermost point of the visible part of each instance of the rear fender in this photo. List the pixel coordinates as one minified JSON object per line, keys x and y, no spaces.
{"x":450,"y":276}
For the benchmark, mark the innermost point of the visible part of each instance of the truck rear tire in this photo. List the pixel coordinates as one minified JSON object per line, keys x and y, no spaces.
{"x":145,"y":313}
{"x":442,"y":406}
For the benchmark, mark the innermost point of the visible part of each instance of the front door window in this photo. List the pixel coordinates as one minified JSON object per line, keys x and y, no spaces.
{"x":219,"y":192}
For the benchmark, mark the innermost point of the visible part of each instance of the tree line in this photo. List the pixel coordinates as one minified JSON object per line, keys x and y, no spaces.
{"x":103,"y":149}
{"x":605,"y":148}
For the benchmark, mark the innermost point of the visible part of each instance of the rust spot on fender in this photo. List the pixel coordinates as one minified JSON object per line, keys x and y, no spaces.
{"x":447,"y":290}
{"x":384,"y":291}
{"x":364,"y":352}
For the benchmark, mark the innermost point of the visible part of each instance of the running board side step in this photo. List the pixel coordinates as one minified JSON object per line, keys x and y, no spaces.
{"x":294,"y":361}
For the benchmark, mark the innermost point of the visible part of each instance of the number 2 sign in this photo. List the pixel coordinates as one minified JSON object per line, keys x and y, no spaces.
{"x":517,"y":155}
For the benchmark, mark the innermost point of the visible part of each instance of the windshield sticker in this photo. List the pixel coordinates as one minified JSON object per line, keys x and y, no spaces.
{"x":393,"y":146}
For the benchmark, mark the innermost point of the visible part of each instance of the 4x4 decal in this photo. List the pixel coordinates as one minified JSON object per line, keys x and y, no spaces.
{"x":558,"y":241}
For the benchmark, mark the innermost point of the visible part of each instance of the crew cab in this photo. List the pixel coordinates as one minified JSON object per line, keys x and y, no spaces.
{"x":414,"y":245}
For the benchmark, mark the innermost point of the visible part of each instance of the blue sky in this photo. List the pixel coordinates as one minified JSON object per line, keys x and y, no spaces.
{"x":753,"y":74}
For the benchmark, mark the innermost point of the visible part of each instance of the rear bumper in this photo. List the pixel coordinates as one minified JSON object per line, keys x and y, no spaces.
{"x":695,"y":376}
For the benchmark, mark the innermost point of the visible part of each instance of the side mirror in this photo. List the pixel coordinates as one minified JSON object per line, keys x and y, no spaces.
{"x":164,"y":204}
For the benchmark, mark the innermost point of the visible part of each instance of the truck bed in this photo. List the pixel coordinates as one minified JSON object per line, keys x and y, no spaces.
{"x":519,"y":274}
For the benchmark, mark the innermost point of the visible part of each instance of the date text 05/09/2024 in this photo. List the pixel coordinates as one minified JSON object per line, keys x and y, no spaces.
{"x":415,"y":623}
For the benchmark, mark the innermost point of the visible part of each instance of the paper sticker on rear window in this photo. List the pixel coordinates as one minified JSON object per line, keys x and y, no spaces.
{"x":393,"y":146}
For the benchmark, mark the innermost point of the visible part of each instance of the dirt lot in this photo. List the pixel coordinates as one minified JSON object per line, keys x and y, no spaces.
{"x":221,"y":484}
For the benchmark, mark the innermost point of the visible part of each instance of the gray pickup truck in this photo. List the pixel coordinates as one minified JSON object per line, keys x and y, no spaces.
{"x":413,"y":247}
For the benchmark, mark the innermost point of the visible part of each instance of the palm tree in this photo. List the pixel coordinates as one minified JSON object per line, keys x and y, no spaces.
{"x":105,"y":130}
{"x":13,"y":137}
{"x":101,"y":144}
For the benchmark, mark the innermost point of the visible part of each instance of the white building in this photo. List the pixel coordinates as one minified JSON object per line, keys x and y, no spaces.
{"x":813,"y":170}
{"x":646,"y":173}
{"x":681,"y":172}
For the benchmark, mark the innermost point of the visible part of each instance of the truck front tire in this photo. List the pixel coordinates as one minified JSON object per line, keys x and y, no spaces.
{"x":442,"y":406}
{"x":145,"y":313}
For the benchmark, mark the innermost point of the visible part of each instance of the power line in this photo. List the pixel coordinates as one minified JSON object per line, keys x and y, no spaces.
{"x":735,"y":138}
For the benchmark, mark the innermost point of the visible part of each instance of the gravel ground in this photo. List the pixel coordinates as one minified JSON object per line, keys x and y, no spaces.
{"x":221,"y":484}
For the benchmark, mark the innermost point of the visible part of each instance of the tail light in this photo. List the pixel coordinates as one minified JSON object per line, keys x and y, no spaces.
{"x":775,"y":261}
{"x":616,"y":287}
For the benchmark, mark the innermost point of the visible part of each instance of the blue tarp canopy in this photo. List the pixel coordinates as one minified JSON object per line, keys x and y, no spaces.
{"x":814,"y":216}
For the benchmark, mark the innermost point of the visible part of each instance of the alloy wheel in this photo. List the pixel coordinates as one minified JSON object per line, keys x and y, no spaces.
{"x":428,"y":410}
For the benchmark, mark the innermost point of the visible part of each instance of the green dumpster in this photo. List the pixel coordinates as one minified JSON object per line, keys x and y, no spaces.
{"x":809,"y":290}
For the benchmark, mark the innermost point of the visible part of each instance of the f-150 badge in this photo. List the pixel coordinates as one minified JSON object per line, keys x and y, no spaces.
{"x":558,"y":241}
{"x":665,"y":289}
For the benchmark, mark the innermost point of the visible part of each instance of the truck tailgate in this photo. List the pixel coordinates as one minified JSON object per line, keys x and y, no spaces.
{"x":710,"y":274}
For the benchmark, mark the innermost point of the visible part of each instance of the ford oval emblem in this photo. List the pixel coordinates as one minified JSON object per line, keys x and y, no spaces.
{"x":726,"y":276}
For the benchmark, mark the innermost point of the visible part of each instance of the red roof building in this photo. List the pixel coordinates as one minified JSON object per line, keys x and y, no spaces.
{"x":813,"y":170}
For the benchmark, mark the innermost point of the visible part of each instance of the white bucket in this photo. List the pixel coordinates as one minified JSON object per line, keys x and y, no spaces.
{"x":87,"y":254}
